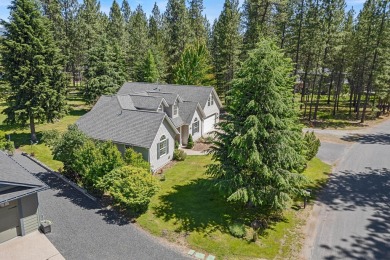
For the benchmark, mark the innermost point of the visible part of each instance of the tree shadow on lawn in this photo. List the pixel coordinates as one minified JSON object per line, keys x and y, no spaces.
{"x":197,"y":206}
{"x":368,"y":192}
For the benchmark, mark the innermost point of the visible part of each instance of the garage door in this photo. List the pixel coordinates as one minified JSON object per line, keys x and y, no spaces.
{"x":9,"y":224}
{"x":208,"y":124}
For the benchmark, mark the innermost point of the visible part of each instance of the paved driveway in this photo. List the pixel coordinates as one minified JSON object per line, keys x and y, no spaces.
{"x":84,"y":230}
{"x":354,"y":217}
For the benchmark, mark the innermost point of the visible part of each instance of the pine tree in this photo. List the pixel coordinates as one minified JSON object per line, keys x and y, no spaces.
{"x":176,"y":32}
{"x":194,"y":66}
{"x":116,"y":24}
{"x":139,"y":43}
{"x":156,"y":37}
{"x":150,"y":71}
{"x":105,"y":72}
{"x":197,"y":21}
{"x":33,"y":68}
{"x":259,"y":152}
{"x":126,"y":11}
{"x":226,"y":45}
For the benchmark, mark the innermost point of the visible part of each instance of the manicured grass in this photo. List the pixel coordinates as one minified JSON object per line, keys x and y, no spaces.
{"x":21,"y":135}
{"x":187,"y":211}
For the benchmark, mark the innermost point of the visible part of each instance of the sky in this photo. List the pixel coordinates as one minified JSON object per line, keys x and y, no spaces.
{"x":212,"y":7}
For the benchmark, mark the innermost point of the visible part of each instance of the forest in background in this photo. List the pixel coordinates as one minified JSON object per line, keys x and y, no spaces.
{"x":342,"y":59}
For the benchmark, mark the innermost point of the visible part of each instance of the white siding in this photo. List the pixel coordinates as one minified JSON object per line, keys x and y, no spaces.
{"x":197,"y":135}
{"x":212,"y":109}
{"x":165,"y":129}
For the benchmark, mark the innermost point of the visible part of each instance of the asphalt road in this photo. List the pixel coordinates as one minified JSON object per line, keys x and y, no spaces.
{"x":354,"y":214}
{"x":82,"y":229}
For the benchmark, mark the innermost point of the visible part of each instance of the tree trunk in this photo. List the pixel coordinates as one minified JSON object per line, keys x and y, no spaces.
{"x":370,"y":78}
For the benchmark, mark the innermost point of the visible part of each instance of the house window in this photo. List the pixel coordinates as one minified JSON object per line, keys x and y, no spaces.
{"x":210,"y":101}
{"x":162,"y":147}
{"x":175,"y":109}
{"x":160,"y":108}
{"x":195,"y":126}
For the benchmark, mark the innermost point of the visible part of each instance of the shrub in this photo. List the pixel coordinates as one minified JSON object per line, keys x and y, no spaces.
{"x":66,"y":146}
{"x":179,"y":155}
{"x":51,"y":137}
{"x":131,"y":187}
{"x":237,"y":229}
{"x":135,"y":159}
{"x":177,"y":144}
{"x":94,"y":160}
{"x":5,"y":144}
{"x":190,"y":143}
{"x":312,"y":145}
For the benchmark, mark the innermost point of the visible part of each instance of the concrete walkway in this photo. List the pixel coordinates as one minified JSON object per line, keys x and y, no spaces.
{"x":34,"y":246}
{"x":193,"y":152}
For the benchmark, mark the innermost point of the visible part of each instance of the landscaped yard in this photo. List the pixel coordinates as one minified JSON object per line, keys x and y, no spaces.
{"x":188,"y":212}
{"x":21,"y":135}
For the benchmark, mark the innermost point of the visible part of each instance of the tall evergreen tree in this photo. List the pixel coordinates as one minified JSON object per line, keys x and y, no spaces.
{"x":126,"y":11}
{"x":139,"y":43}
{"x":226,"y":46}
{"x":176,"y":32}
{"x":105,"y":72}
{"x":258,"y":153}
{"x":197,"y":21}
{"x":33,"y":67}
{"x":116,"y":24}
{"x":150,"y":71}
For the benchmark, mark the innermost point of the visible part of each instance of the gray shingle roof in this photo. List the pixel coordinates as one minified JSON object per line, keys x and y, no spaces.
{"x":187,"y":93}
{"x":146,"y":102}
{"x":177,"y":121}
{"x":169,"y":97}
{"x":187,"y":110}
{"x":21,"y":181}
{"x":108,"y":121}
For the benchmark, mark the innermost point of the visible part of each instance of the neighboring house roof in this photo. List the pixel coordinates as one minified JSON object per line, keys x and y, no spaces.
{"x":187,"y":110}
{"x":198,"y":94}
{"x":109,"y":120}
{"x":15,"y":181}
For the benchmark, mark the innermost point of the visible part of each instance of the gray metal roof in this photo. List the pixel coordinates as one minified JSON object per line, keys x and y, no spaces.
{"x":108,"y":121}
{"x":197,"y":94}
{"x":19,"y":181}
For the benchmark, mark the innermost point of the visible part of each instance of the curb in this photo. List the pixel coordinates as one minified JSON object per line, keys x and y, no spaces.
{"x":71,"y":183}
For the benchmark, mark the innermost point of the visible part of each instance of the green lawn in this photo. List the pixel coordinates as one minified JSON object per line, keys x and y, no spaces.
{"x":21,"y":135}
{"x":186,"y":211}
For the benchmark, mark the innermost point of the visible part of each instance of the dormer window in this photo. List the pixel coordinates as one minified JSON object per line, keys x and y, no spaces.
{"x":210,"y":101}
{"x":175,"y":109}
{"x":160,"y":108}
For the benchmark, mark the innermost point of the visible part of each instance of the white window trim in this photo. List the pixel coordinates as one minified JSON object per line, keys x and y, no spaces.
{"x":196,"y":121}
{"x":175,"y":109}
{"x":163,"y":142}
{"x":160,"y":108}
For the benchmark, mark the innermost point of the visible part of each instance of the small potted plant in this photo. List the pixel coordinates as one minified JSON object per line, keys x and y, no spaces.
{"x":46,"y":226}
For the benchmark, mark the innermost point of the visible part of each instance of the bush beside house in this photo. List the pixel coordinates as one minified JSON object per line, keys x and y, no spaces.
{"x":100,"y":168}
